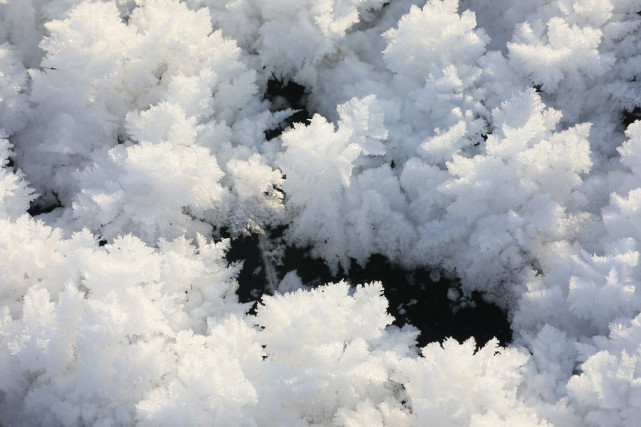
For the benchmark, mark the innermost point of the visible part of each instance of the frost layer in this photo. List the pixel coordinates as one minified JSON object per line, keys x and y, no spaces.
{"x":488,"y":138}
{"x":125,"y":334}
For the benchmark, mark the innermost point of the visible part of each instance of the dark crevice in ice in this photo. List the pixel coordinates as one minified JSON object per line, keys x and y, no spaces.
{"x":414,"y":297}
{"x":10,"y":164}
{"x":283,"y":95}
{"x":629,"y":117}
{"x":44,"y":204}
{"x":251,"y":279}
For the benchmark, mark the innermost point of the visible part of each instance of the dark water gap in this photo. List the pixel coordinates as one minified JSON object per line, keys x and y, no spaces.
{"x":414,"y":296}
{"x":283,"y":94}
{"x":630,"y":116}
{"x":44,"y":204}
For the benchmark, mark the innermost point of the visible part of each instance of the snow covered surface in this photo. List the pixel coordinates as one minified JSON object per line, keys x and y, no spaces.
{"x":494,"y":140}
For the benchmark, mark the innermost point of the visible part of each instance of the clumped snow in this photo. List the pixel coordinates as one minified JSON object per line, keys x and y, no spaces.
{"x":489,"y":139}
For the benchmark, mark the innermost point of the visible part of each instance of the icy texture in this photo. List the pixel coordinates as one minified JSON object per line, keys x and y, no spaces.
{"x":494,"y":140}
{"x":164,"y":79}
{"x":15,"y":193}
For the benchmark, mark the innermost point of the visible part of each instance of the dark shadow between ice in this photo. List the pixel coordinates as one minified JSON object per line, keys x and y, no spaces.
{"x":415,"y":297}
{"x":284,"y":94}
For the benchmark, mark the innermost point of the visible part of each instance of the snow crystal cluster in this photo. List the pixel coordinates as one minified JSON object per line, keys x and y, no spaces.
{"x":492,"y":139}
